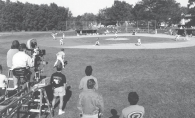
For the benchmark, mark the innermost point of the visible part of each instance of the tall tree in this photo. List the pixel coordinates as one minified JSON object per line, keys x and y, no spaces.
{"x":191,"y":11}
{"x":160,"y":10}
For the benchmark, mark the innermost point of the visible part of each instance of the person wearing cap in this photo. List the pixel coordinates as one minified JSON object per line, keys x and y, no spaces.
{"x":90,"y":102}
{"x":134,"y":110}
{"x":60,"y":57}
{"x":11,"y":52}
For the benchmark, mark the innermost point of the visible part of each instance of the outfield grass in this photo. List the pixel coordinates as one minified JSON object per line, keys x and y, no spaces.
{"x":164,"y":79}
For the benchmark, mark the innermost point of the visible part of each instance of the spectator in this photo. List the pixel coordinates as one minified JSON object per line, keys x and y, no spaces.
{"x":22,"y":60}
{"x":90,"y":103}
{"x":3,"y":81}
{"x":11,"y":52}
{"x":134,"y":110}
{"x":58,"y":83}
{"x":83,"y":82}
{"x":60,"y":57}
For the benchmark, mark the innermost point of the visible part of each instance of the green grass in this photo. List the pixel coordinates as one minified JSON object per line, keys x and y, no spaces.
{"x":164,"y":79}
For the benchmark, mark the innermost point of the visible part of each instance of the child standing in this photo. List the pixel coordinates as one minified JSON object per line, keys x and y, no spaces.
{"x":58,"y":83}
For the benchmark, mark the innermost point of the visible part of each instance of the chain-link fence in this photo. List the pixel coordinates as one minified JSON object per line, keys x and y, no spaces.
{"x":121,"y":26}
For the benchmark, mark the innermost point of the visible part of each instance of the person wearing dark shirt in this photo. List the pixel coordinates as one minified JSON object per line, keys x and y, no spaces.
{"x":58,"y":83}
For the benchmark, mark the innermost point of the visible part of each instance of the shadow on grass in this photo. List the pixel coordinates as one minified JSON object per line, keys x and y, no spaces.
{"x":67,"y":96}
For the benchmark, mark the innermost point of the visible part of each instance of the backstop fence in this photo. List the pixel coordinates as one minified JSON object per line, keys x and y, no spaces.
{"x":121,"y":26}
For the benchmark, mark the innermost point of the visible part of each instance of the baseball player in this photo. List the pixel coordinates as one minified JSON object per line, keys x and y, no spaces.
{"x":63,"y":36}
{"x":61,"y":57}
{"x":61,"y":41}
{"x":97,"y":43}
{"x":138,"y":42}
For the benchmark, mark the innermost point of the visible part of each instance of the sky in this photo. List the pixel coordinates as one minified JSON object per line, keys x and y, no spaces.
{"x":79,"y":7}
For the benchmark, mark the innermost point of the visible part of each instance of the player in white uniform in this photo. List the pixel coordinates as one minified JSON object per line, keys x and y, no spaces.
{"x":138,"y":42}
{"x":61,"y":41}
{"x":116,"y":35}
{"x":54,"y":35}
{"x":63,"y":36}
{"x":60,"y":57}
{"x":97,"y":43}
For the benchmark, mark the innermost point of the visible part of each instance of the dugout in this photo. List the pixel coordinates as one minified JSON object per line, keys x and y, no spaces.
{"x":85,"y":32}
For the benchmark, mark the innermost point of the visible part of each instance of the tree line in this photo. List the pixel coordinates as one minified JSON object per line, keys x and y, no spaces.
{"x":19,"y":16}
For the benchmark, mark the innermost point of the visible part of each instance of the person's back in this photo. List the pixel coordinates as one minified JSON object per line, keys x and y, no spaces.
{"x":21,"y":59}
{"x":83,"y":82}
{"x":11,"y":52}
{"x":61,"y":54}
{"x":133,"y":110}
{"x":61,"y":57}
{"x":58,"y":83}
{"x":90,"y":102}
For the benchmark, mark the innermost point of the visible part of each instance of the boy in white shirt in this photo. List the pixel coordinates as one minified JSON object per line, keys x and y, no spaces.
{"x":61,"y":57}
{"x":3,"y":82}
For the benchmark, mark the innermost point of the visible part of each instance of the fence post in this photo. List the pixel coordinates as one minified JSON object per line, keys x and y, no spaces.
{"x":148,"y":26}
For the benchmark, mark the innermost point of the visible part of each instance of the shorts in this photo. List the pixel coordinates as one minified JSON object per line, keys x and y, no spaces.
{"x":60,"y":91}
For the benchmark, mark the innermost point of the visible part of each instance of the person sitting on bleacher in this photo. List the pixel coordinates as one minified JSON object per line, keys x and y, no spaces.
{"x":58,"y":83}
{"x":11,"y":52}
{"x":3,"y":81}
{"x":22,"y":60}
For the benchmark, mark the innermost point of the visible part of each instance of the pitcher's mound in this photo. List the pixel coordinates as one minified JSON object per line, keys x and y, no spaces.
{"x":117,"y":39}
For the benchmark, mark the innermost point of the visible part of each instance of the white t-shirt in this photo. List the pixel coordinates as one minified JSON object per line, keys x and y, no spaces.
{"x":21,"y":59}
{"x":133,"y":111}
{"x":3,"y":78}
{"x":83,"y":82}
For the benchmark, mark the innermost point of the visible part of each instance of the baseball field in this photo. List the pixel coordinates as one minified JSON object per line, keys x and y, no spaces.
{"x":161,"y":70}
